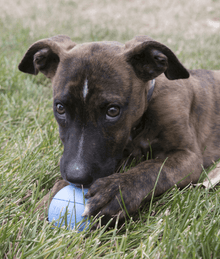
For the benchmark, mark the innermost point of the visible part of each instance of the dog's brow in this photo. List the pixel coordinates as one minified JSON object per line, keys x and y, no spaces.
{"x":85,"y":89}
{"x":112,"y":98}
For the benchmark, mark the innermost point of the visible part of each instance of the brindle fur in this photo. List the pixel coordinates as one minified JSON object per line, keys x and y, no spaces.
{"x":181,"y":122}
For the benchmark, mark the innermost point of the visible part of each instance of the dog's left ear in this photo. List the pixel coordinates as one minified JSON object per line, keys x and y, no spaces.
{"x":150,"y":59}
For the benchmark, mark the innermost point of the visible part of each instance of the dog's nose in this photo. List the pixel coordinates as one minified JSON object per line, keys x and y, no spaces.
{"x":76,"y":173}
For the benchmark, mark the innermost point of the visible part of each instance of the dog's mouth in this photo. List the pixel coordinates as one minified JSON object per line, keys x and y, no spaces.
{"x":81,"y":186}
{"x":88,"y":181}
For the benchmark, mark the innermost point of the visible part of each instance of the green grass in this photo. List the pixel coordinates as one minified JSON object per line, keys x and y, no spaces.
{"x":181,"y":223}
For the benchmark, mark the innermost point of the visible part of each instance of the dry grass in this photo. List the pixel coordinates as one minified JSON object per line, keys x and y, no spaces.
{"x":123,"y":19}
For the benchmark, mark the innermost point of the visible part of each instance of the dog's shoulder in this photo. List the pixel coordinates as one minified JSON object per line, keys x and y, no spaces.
{"x":206,"y":76}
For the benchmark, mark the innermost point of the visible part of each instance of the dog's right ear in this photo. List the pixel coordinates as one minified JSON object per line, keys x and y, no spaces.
{"x":44,"y":55}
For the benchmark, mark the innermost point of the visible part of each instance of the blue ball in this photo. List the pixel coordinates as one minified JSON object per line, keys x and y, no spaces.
{"x":67,"y":207}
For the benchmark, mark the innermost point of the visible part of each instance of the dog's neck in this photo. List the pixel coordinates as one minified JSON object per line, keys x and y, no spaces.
{"x":139,"y":127}
{"x":136,"y":130}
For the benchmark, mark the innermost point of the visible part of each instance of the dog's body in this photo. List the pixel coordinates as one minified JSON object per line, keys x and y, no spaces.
{"x":113,"y":102}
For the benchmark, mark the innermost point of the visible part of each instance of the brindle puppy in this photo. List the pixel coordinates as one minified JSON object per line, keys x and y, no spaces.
{"x":113,"y":102}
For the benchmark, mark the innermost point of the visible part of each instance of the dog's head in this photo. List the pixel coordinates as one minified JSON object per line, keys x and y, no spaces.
{"x":100,"y":93}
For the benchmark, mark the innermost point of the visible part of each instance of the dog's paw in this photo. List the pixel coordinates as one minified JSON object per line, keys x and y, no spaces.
{"x":115,"y":195}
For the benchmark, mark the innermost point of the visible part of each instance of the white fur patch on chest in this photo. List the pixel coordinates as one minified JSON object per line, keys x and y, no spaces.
{"x":85,"y":89}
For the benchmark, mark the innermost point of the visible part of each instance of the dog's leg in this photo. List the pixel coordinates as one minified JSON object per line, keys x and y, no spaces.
{"x":105,"y":193}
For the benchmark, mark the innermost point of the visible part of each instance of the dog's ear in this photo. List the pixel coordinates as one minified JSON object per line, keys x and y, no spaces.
{"x":44,"y":55}
{"x":150,"y":59}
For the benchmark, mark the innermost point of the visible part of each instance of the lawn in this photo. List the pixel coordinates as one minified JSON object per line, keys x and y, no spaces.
{"x":180,"y":224}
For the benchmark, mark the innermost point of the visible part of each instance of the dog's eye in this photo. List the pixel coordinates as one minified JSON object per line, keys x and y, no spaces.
{"x":60,"y":108}
{"x":113,"y":111}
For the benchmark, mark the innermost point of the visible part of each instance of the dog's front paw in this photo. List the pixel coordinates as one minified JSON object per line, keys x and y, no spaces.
{"x":113,"y":196}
